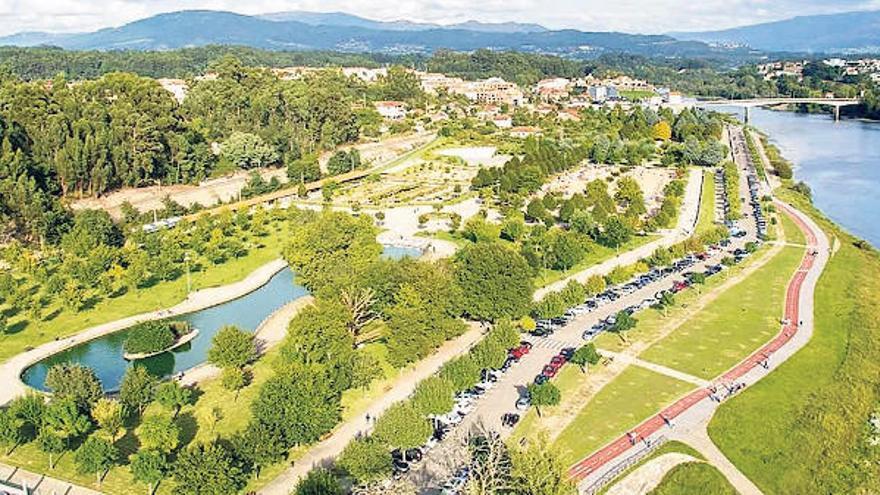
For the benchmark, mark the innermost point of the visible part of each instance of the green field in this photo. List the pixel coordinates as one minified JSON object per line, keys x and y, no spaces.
{"x":802,"y":428}
{"x":62,"y":322}
{"x":731,"y":327}
{"x":706,"y":219}
{"x":693,"y":478}
{"x":629,"y":399}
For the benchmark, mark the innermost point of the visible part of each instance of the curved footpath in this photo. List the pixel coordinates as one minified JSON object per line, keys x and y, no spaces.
{"x":11,"y":370}
{"x":689,"y":416}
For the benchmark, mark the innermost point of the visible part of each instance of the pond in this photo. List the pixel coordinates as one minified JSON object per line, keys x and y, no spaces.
{"x":104,"y":355}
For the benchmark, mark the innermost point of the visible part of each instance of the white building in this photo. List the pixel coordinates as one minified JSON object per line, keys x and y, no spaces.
{"x":391,"y":110}
{"x":365,"y":74}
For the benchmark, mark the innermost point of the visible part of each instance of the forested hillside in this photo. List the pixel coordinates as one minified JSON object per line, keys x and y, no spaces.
{"x":62,"y":138}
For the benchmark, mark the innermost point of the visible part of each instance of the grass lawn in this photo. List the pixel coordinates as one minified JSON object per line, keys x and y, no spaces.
{"x":635,"y":95}
{"x":694,"y":477}
{"x":802,"y":428}
{"x":706,"y":218}
{"x":26,"y":335}
{"x":597,"y":254}
{"x":732,"y":326}
{"x":670,"y":447}
{"x":793,"y":234}
{"x":629,"y":399}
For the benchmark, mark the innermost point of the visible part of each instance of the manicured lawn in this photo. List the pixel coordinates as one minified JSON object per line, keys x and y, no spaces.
{"x":161,"y":295}
{"x":793,"y":234}
{"x":597,"y":254}
{"x":732,"y":326}
{"x":802,"y":428}
{"x":629,"y":399}
{"x":706,"y":218}
{"x":694,"y":477}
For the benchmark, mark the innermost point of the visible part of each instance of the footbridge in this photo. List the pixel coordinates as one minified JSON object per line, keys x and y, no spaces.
{"x":746,"y":104}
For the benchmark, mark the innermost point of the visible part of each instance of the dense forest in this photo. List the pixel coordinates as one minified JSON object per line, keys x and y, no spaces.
{"x":61,"y":138}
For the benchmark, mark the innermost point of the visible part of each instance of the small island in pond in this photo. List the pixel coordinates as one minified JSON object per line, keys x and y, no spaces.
{"x":155,"y":337}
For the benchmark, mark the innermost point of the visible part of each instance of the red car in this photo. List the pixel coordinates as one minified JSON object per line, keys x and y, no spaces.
{"x":557,"y":361}
{"x":549,"y":371}
{"x":679,"y":286}
{"x":518,"y":352}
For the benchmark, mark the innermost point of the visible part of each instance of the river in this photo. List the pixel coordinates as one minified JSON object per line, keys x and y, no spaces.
{"x":839,"y":160}
{"x":104,"y":355}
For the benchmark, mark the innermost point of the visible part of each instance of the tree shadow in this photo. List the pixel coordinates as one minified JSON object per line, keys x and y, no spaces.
{"x":189,"y":427}
{"x":16,"y":327}
{"x":51,"y":316}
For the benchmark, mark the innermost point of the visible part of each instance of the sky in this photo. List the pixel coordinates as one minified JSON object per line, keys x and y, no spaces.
{"x":634,"y":16}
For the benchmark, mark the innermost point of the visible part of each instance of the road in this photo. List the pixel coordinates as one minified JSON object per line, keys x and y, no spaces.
{"x":442,"y":460}
{"x":690,"y":415}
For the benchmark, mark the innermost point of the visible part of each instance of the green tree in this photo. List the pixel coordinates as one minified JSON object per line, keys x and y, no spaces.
{"x":245,"y":150}
{"x":496,"y":281}
{"x":11,"y":430}
{"x":539,"y":470}
{"x":433,"y":395}
{"x":148,"y":467}
{"x":137,"y":388}
{"x":462,"y":372}
{"x":365,"y":460}
{"x":64,"y":419}
{"x":109,"y":416}
{"x":319,"y":481}
{"x":232,"y":347}
{"x":258,"y":446}
{"x":623,"y":322}
{"x":30,"y":409}
{"x":402,"y":427}
{"x":615,"y":232}
{"x":233,"y":379}
{"x":173,"y":396}
{"x":75,"y":381}
{"x":51,"y":443}
{"x":208,"y":469}
{"x":545,"y":394}
{"x":159,"y":432}
{"x":95,"y":455}
{"x":585,"y":355}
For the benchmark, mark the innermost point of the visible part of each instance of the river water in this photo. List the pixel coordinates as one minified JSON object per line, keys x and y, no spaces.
{"x":839,"y":160}
{"x":104,"y":355}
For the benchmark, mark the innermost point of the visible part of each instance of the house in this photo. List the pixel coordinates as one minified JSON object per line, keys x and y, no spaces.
{"x":391,"y":110}
{"x":601,"y":93}
{"x":674,"y":98}
{"x":553,"y":89}
{"x":524,"y":132}
{"x":502,"y":121}
{"x":176,"y":87}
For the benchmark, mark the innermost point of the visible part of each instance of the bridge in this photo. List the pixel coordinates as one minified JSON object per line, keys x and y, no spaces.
{"x":746,"y":104}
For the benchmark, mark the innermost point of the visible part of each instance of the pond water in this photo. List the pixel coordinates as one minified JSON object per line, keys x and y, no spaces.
{"x":104,"y":355}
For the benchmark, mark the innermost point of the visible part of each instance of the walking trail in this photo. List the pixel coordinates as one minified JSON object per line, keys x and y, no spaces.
{"x":689,"y":416}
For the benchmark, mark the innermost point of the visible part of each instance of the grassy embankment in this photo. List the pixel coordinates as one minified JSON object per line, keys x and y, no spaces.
{"x":706,"y":218}
{"x":62,"y":322}
{"x":803,"y":429}
{"x":694,"y":477}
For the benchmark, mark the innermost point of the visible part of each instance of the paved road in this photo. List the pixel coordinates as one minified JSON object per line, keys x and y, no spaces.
{"x":691,"y":414}
{"x":441,"y":461}
{"x":40,"y":484}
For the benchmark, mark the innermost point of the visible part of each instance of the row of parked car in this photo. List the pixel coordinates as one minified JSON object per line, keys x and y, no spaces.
{"x":721,"y":193}
{"x":464,"y":404}
{"x":755,"y":201}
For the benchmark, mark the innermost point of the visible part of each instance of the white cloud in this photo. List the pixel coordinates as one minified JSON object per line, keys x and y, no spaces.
{"x":642,"y":16}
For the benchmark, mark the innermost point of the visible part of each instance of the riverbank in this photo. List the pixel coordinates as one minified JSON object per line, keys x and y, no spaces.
{"x":12,"y":369}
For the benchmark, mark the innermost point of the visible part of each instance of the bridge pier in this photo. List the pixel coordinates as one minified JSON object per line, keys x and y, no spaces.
{"x":746,"y":115}
{"x":837,"y":113}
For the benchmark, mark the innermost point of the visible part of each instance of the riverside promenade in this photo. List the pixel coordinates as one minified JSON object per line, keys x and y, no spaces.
{"x":687,"y":418}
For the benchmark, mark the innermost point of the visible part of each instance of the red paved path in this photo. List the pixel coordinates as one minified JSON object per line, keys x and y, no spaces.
{"x":792,"y":297}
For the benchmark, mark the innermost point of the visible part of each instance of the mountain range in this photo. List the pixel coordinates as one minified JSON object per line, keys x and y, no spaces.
{"x":343,"y":32}
{"x":850,"y":32}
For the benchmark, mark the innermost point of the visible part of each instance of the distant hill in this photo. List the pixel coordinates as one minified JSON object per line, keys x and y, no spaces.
{"x":850,"y":32}
{"x":200,"y":28}
{"x":343,"y":19}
